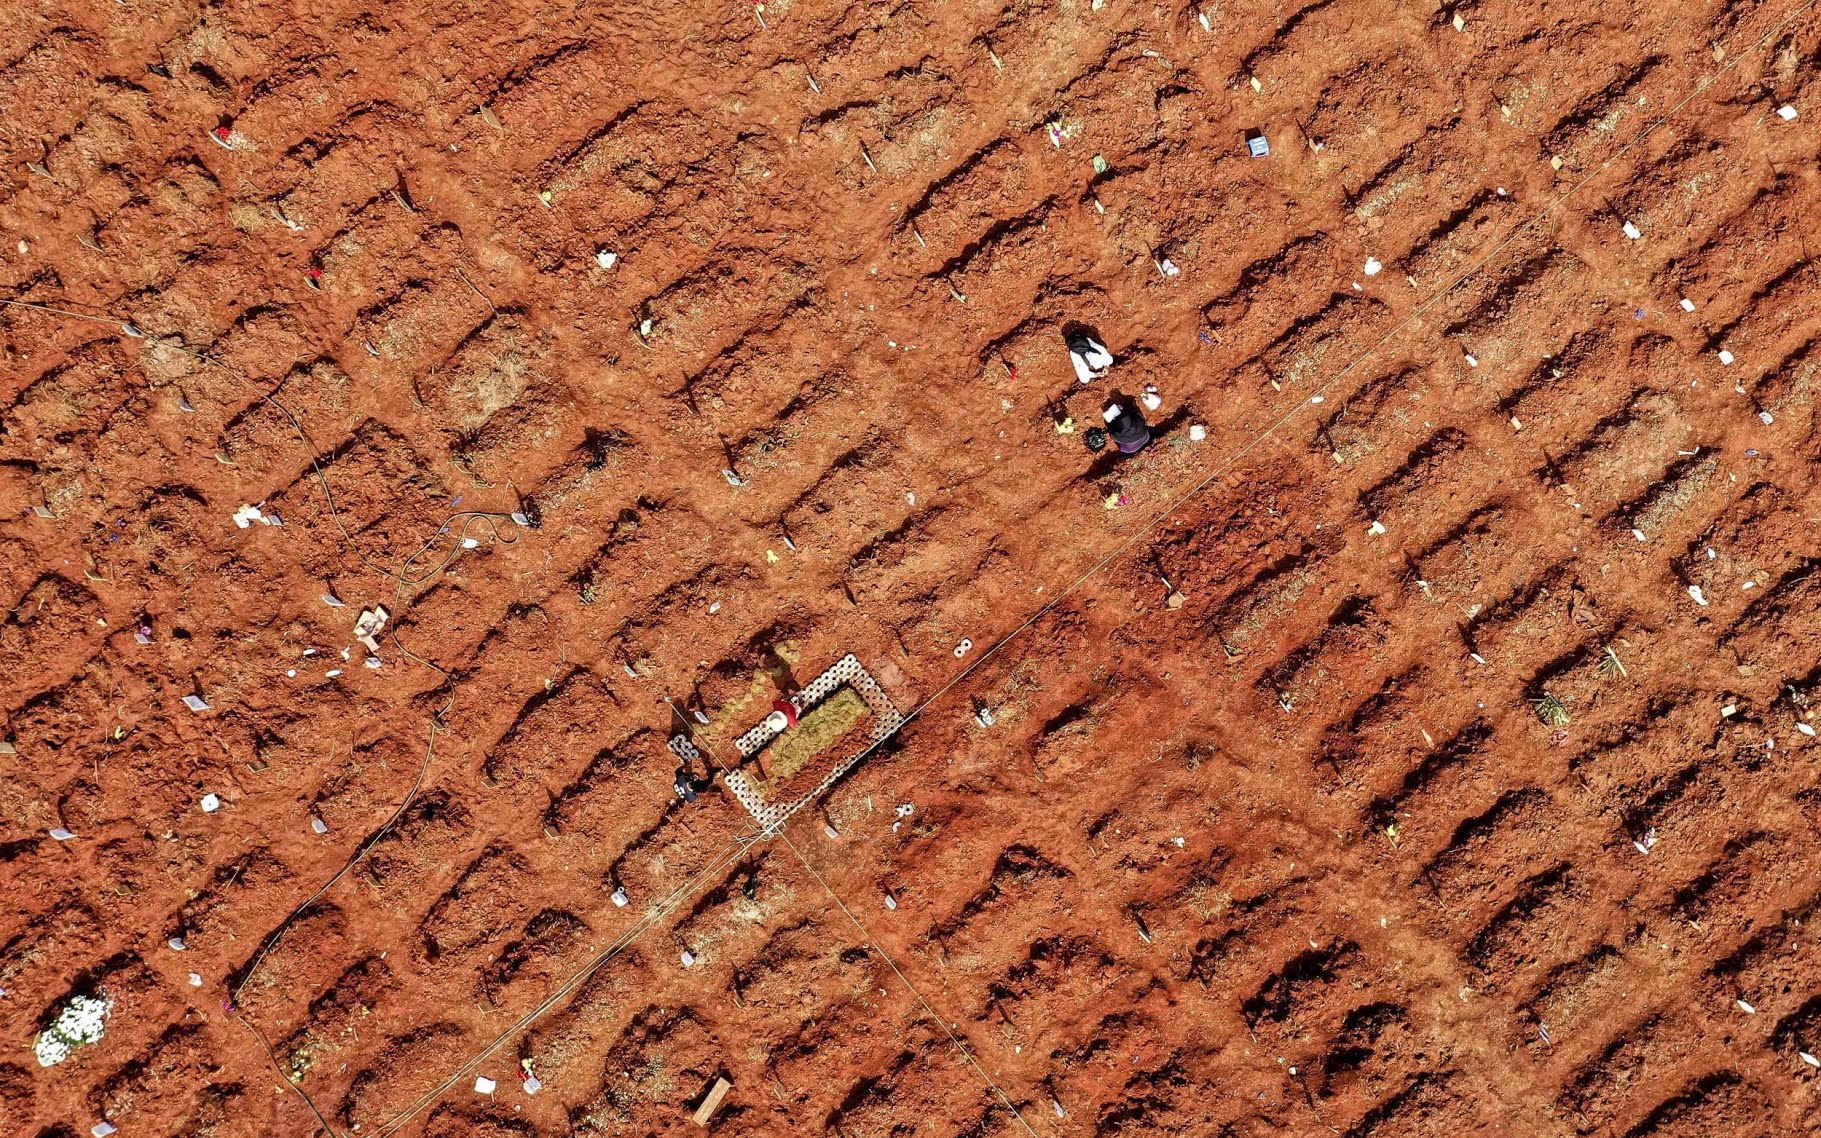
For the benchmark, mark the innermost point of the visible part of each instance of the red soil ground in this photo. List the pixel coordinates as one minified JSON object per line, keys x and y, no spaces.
{"x":1294,"y":856}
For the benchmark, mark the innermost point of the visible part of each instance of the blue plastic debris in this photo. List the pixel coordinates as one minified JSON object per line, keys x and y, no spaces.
{"x":1257,"y":146}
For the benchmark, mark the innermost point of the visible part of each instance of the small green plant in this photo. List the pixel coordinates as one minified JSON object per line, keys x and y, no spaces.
{"x":1550,"y":710}
{"x":589,"y":593}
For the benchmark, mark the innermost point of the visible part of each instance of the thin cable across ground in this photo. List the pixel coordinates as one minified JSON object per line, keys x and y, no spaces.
{"x":1271,"y":430}
{"x":741,"y":847}
{"x":403,"y":579}
{"x":873,"y":943}
{"x":711,"y":754}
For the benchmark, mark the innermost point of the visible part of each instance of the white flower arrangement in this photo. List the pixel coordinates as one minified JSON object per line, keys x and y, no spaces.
{"x":82,"y":1021}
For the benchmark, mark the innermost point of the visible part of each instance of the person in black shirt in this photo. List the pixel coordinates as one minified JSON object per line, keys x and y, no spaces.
{"x":688,"y":786}
{"x":1126,"y":426}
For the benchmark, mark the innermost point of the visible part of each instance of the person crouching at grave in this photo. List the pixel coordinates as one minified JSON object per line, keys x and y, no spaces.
{"x":783,"y":715}
{"x":1126,"y":426}
{"x":688,"y":786}
{"x":1088,"y":356}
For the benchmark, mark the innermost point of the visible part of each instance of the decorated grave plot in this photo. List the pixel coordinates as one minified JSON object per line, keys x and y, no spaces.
{"x":843,"y":712}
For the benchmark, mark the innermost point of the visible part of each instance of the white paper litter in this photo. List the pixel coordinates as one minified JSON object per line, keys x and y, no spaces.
{"x":533,"y":1084}
{"x":1726,"y":357}
{"x":1632,"y":231}
{"x":1197,"y":432}
{"x":370,"y":622}
{"x":1786,"y":113}
{"x":689,"y":959}
{"x":1746,"y":1008}
{"x":605,"y":259}
{"x":319,"y":826}
{"x":483,"y":1085}
{"x":247,"y":515}
{"x":61,"y":834}
{"x":1809,"y":1059}
{"x":102,"y":1129}
{"x":177,"y":944}
{"x":620,"y":900}
{"x":195,"y":979}
{"x":195,"y":703}
{"x":211,"y":803}
{"x":1687,"y":305}
{"x":333,"y":601}
{"x":1694,"y":592}
{"x":1373,"y":266}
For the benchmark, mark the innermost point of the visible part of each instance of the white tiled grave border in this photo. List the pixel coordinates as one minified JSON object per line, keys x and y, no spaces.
{"x":845,"y":672}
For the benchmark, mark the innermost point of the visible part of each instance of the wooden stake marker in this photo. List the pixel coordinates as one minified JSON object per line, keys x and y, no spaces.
{"x":713,"y":1102}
